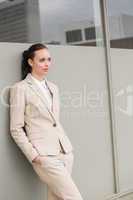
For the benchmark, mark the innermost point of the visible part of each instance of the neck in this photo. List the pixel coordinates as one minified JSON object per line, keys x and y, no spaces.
{"x":40,"y":78}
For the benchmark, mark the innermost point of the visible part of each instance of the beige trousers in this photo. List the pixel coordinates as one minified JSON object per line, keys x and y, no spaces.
{"x":55,"y":171}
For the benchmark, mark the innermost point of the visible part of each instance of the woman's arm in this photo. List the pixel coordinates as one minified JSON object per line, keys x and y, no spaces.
{"x":17,"y":109}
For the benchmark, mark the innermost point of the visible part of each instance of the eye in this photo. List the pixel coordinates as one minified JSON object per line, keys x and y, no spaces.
{"x":44,"y":59}
{"x":49,"y":59}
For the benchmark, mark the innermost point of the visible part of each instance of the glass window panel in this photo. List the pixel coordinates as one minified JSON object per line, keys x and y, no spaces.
{"x":73,"y":36}
{"x":53,"y":22}
{"x":19,"y":21}
{"x":121,"y":23}
{"x":71,"y":23}
{"x":121,"y":36}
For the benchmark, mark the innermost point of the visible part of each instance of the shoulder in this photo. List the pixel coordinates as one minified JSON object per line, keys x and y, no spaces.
{"x":19,"y":85}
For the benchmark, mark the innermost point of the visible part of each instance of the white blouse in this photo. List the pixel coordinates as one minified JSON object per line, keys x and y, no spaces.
{"x":42,"y":85}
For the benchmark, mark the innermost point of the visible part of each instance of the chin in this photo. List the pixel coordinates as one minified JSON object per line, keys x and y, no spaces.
{"x":44,"y":74}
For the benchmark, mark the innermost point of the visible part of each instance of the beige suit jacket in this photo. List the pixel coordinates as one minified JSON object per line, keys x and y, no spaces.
{"x":35,"y":128}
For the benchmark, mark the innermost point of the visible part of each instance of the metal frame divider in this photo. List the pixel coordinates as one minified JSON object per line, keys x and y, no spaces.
{"x":104,"y":11}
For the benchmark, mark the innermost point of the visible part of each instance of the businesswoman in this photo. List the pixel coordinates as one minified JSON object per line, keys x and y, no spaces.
{"x":35,"y":125}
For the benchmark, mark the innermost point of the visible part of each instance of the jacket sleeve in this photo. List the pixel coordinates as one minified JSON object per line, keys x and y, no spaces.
{"x":17,"y":111}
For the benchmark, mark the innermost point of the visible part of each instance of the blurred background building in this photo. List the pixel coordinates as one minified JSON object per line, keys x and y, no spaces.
{"x":59,"y":22}
{"x":19,"y":21}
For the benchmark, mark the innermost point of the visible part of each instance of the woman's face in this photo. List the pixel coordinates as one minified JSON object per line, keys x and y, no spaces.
{"x":40,"y":63}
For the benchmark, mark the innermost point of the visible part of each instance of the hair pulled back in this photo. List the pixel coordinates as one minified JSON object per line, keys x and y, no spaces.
{"x":29,"y":53}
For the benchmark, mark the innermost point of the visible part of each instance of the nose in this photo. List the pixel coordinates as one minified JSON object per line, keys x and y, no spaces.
{"x":46,"y":65}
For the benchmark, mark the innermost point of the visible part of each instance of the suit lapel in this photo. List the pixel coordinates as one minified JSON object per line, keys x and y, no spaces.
{"x":52,"y":92}
{"x":54,"y":98}
{"x":39,"y":92}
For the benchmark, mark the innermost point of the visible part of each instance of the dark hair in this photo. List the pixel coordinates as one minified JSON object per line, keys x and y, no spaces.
{"x":29,"y":53}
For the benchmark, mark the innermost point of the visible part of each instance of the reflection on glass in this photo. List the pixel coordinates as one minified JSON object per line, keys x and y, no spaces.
{"x":19,"y":21}
{"x":121,"y":23}
{"x":53,"y":22}
{"x":71,"y":23}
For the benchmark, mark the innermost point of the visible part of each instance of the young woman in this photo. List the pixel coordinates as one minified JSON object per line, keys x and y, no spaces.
{"x":36,"y":128}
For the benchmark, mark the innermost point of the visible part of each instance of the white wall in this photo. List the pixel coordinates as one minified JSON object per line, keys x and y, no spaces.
{"x":17,"y":179}
{"x":80,"y":73}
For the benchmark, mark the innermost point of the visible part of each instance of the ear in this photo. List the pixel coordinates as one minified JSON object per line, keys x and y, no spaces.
{"x":30,"y":62}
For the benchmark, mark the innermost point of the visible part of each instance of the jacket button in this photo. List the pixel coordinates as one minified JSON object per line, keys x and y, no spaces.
{"x":54,"y":124}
